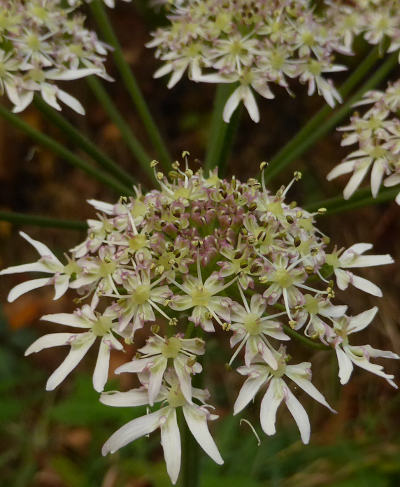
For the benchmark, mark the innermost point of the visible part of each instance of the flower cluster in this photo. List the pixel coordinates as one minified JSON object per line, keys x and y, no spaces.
{"x":377,"y":134}
{"x":205,"y":255}
{"x":42,"y":42}
{"x":256,"y":43}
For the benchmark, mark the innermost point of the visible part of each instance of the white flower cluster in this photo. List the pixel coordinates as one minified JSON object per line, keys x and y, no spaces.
{"x":256,"y":43}
{"x":205,"y":252}
{"x":377,"y":134}
{"x":42,"y":42}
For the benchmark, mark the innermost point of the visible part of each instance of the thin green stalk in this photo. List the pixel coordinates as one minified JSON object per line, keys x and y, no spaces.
{"x":131,"y":141}
{"x":189,"y":476}
{"x":41,"y":221}
{"x":305,"y":340}
{"x":321,"y":123}
{"x":220,"y":132}
{"x":129,"y":80}
{"x":84,"y":143}
{"x":361,"y":198}
{"x":61,"y":151}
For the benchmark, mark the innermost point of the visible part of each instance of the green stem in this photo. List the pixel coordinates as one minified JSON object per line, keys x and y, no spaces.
{"x":359,"y":199}
{"x":129,"y":80}
{"x":221,"y":133}
{"x":189,"y":476}
{"x":61,"y":151}
{"x":321,"y":123}
{"x":306,"y":341}
{"x":84,"y":143}
{"x":41,"y":221}
{"x":131,"y":141}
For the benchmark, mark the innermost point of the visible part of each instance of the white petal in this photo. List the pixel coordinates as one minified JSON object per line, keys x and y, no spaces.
{"x":362,"y":320}
{"x":70,"y":101}
{"x":132,"y":431}
{"x":156,"y":375}
{"x":269,"y":406}
{"x":392,"y":180}
{"x":134,"y":397}
{"x":377,"y":172}
{"x":340,"y":169}
{"x":102,"y":206}
{"x":48,"y":341}
{"x":41,"y":248}
{"x":69,"y":319}
{"x":61,"y":283}
{"x":70,"y":74}
{"x":27,"y":286}
{"x":33,"y":267}
{"x":75,"y":355}
{"x":299,"y":414}
{"x":355,"y":181}
{"x":196,"y":420}
{"x":370,"y":260}
{"x":345,"y":366}
{"x":185,"y":382}
{"x":100,"y":374}
{"x":231,"y":105}
{"x":309,"y":388}
{"x":247,"y":392}
{"x":365,"y":285}
{"x":176,"y":76}
{"x":171,"y":443}
{"x":251,"y":104}
{"x":358,"y":248}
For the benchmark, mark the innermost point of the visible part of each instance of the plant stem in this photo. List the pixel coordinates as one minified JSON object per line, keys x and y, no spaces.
{"x":359,"y":199}
{"x":221,"y":133}
{"x":131,"y":141}
{"x":189,"y":476}
{"x":305,"y":340}
{"x":321,"y":123}
{"x":41,"y":221}
{"x":85,"y":144}
{"x":129,"y":80}
{"x":61,"y":151}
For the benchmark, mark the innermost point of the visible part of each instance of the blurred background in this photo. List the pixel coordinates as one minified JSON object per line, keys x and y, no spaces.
{"x":54,"y":439}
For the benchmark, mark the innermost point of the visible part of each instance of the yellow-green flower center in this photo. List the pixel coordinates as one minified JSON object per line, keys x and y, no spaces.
{"x":141,"y":294}
{"x":102,"y":326}
{"x":171,"y":347}
{"x":252,"y":323}
{"x":200,"y":296}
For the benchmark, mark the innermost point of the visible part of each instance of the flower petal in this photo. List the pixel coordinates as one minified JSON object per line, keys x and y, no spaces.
{"x":27,"y":286}
{"x":75,"y":355}
{"x":362,"y":320}
{"x":134,"y":397}
{"x":171,"y":443}
{"x":48,"y":341}
{"x":69,"y":319}
{"x":269,"y":406}
{"x":345,"y":366}
{"x":299,"y":414}
{"x":247,"y":392}
{"x":100,"y":374}
{"x":133,"y":430}
{"x":196,"y":420}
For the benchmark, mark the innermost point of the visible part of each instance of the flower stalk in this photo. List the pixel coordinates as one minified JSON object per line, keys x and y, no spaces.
{"x":41,"y":221}
{"x":128,"y":78}
{"x":133,"y":144}
{"x":61,"y":151}
{"x":83,"y":142}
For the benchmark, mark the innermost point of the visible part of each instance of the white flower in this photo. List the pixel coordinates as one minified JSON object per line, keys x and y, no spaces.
{"x":278,"y":392}
{"x":202,"y":297}
{"x":154,"y":358}
{"x":165,"y":418}
{"x":251,"y":328}
{"x":49,"y":264}
{"x":352,"y":257}
{"x":98,"y":325}
{"x":360,"y":355}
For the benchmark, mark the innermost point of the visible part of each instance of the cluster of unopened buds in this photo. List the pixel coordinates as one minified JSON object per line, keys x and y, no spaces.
{"x":204,"y":255}
{"x":377,"y":133}
{"x":256,"y":43}
{"x":44,"y":42}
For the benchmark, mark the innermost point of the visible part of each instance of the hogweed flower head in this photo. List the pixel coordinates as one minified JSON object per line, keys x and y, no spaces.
{"x":377,"y":134}
{"x":198,"y":255}
{"x":45,"y":43}
{"x":256,"y":43}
